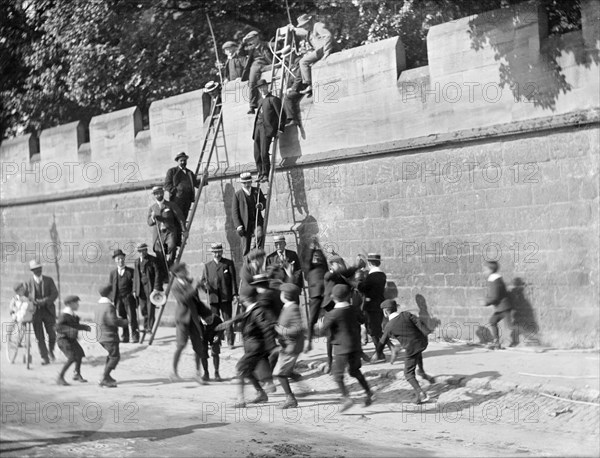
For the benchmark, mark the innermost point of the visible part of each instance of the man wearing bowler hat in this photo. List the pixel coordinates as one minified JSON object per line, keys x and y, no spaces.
{"x":220,"y":281}
{"x":169,"y":225}
{"x":146,"y":280}
{"x":266,"y":125}
{"x":181,"y":184}
{"x":43,"y":293}
{"x":316,"y":34}
{"x":287,"y":260}
{"x":121,"y":281}
{"x":247,"y":207}
{"x":373,"y":287}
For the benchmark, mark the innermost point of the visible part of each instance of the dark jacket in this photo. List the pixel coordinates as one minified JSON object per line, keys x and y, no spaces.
{"x":241,"y":211}
{"x":49,"y":295}
{"x":169,"y":218}
{"x":316,"y":267}
{"x":113,"y":280}
{"x":267,"y":116}
{"x":234,"y":67}
{"x":108,"y":323}
{"x":146,"y":276}
{"x":67,"y":326}
{"x":409,"y":330}
{"x":181,"y":184}
{"x":373,"y":287}
{"x":209,"y":333}
{"x":189,"y":306}
{"x":290,"y":257}
{"x":259,"y":54}
{"x":258,"y":333}
{"x":341,"y":277}
{"x":344,"y":325}
{"x":221,"y":280}
{"x":497,"y":295}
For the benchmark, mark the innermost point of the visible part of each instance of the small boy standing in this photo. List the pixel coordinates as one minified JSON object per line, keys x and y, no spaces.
{"x":290,"y":329}
{"x":67,"y":327}
{"x":108,"y":334}
{"x":343,"y":322}
{"x":211,"y":338}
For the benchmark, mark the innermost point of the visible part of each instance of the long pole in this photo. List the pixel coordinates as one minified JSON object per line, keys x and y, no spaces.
{"x":287,"y":7}
{"x":212,"y":33}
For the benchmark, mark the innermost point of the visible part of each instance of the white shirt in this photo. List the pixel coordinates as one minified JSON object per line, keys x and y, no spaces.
{"x":393,"y":315}
{"x":495,"y":276}
{"x":37,"y":279}
{"x":68,"y":310}
{"x":341,"y":305}
{"x":121,"y":271}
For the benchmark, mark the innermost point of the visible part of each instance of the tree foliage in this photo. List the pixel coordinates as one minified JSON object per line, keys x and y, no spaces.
{"x":65,"y":60}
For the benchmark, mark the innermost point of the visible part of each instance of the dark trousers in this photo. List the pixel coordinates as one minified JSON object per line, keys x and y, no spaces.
{"x":113,"y":358}
{"x":499,"y":316}
{"x":74,"y":353}
{"x":246,"y":239}
{"x":262,"y":144}
{"x":126,"y":308}
{"x":226,"y":309}
{"x":314,"y":309}
{"x":147,"y":309}
{"x":352,"y":361}
{"x":184,"y":205}
{"x":43,"y":318}
{"x":410,"y":364}
{"x":256,"y":70}
{"x":170,"y":241}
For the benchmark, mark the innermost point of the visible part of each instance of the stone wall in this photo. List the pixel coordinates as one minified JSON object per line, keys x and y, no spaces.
{"x":428,"y":166}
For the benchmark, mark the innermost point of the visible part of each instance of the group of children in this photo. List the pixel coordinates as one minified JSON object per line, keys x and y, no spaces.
{"x":270,"y":316}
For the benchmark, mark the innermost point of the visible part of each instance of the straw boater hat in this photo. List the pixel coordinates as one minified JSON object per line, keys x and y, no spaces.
{"x":216,"y":247}
{"x":304,"y":19}
{"x":211,"y":86}
{"x":157,"y":189}
{"x":278,"y":238}
{"x":34,"y":264}
{"x":260,"y":280}
{"x":373,"y":257}
{"x":250,"y":35}
{"x":158,"y":298}
{"x":245,"y":177}
{"x":141,"y":246}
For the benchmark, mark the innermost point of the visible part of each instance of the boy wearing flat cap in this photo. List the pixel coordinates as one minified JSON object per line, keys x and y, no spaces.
{"x":343,"y":322}
{"x":291,"y":332}
{"x":67,"y":327}
{"x":412,"y":335}
{"x":234,"y":65}
{"x":108,"y":334}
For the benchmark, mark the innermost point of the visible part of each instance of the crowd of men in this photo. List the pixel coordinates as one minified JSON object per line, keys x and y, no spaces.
{"x":264,"y":305}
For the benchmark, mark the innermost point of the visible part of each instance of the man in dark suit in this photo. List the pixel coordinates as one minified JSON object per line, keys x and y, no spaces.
{"x":412,"y":335}
{"x":181,"y":184}
{"x":170,"y":223}
{"x":266,"y":125}
{"x":234,"y":65}
{"x":247,"y":201}
{"x":146,"y":279}
{"x":43,"y":293}
{"x":220,"y":281}
{"x":121,"y":281}
{"x":287,"y":260}
{"x":373,"y":287}
{"x":316,"y":267}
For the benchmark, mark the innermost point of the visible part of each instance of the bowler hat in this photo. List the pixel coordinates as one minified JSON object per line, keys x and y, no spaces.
{"x":229,"y":44}
{"x":245,"y":177}
{"x":260,"y":280}
{"x":389,"y":304}
{"x":261,"y":82}
{"x":181,"y":155}
{"x":33,"y":264}
{"x":105,"y":290}
{"x":141,"y":246}
{"x":70,"y":299}
{"x":304,"y":19}
{"x":216,"y":247}
{"x":340,"y":292}
{"x":373,"y":257}
{"x":156,"y":189}
{"x":118,"y":252}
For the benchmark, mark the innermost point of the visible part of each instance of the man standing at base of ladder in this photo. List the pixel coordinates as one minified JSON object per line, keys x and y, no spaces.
{"x":246,"y":203}
{"x":266,"y":125}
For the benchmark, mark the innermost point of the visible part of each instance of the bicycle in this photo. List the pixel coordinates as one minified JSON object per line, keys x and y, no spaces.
{"x":14,"y":338}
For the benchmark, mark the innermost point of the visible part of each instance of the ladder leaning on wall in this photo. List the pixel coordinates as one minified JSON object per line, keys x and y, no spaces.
{"x":214,"y":140}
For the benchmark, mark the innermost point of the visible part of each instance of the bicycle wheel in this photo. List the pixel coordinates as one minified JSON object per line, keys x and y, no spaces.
{"x":13,"y":341}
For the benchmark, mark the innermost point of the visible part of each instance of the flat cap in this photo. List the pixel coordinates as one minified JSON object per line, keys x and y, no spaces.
{"x":141,"y":246}
{"x":340,"y":292}
{"x":71,"y":299}
{"x":260,"y":280}
{"x":261,"y":82}
{"x":250,"y":35}
{"x":336,"y":258}
{"x":229,"y":44}
{"x":156,"y":189}
{"x":389,"y":304}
